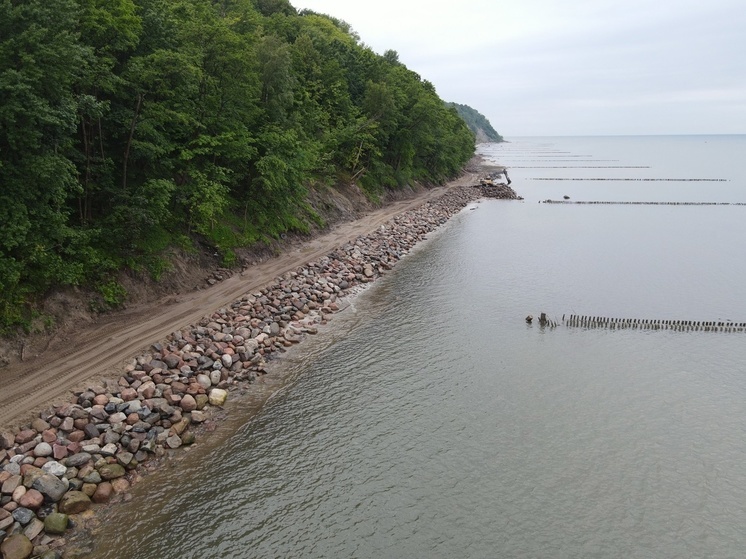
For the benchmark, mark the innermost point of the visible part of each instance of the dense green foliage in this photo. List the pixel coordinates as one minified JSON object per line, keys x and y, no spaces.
{"x":129,"y":125}
{"x":476,"y":122}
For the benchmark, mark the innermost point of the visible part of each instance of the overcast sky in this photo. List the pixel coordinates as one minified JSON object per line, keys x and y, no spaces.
{"x":544,"y":67}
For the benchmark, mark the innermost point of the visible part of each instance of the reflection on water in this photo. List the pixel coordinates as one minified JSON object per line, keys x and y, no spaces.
{"x":436,"y":423}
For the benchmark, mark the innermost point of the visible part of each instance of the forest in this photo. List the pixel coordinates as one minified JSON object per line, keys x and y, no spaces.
{"x":128,"y":126}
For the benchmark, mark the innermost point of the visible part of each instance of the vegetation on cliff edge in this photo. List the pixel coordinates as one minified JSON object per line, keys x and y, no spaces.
{"x":477,"y":123}
{"x":127,"y":126}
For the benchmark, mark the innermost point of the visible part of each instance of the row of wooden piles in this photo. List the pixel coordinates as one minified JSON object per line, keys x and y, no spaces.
{"x":653,"y":324}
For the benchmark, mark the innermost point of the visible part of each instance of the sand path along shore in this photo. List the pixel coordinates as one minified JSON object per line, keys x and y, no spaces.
{"x":101,"y":349}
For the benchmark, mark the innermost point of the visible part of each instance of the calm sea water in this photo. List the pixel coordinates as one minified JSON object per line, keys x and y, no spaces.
{"x":431,"y":421}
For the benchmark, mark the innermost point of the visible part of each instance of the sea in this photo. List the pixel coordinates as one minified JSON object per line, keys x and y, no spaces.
{"x":431,"y":420}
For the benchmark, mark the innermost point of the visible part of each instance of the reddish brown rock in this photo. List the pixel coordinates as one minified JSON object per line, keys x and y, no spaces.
{"x":103,"y":492}
{"x":49,"y":435}
{"x":77,"y":436}
{"x":32,"y":499}
{"x":188,"y":403}
{"x":128,"y":394}
{"x":59,"y":452}
{"x":23,"y":437}
{"x":67,"y":425}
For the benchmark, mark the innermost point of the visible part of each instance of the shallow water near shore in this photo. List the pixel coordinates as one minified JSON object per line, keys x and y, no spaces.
{"x":431,"y":421}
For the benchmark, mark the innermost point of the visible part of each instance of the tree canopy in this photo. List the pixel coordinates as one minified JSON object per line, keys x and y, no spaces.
{"x":477,"y":123}
{"x":126,"y":125}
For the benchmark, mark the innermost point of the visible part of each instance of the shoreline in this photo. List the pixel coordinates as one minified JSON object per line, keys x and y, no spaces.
{"x":90,"y":451}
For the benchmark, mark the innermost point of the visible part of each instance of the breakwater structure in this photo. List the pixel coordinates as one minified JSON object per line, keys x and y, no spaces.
{"x":632,"y":203}
{"x":92,"y":448}
{"x":585,"y":321}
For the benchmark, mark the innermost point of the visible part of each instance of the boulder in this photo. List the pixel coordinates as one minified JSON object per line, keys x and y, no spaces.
{"x":54,"y":468}
{"x":56,"y":523}
{"x":120,"y":485}
{"x":111,"y":471}
{"x":77,"y":460}
{"x":10,"y":484}
{"x":16,"y":546}
{"x":188,"y":403}
{"x":43,"y":449}
{"x":52,"y":487}
{"x":33,"y":529}
{"x":32,"y":499}
{"x":23,"y":516}
{"x":6,"y":519}
{"x":103,"y":493}
{"x":74,"y":502}
{"x":217,"y":397}
{"x":7,"y":440}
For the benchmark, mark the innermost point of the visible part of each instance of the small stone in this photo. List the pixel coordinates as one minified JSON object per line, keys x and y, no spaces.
{"x":173,"y":441}
{"x":56,"y":523}
{"x":198,"y":416}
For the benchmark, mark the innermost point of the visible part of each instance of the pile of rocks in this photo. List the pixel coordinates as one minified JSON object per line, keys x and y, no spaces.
{"x":86,"y":451}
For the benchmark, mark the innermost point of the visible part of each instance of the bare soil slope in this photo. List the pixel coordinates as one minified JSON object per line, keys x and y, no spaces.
{"x":101,"y":348}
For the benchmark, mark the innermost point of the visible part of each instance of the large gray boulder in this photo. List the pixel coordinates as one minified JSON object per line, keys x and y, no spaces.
{"x":52,"y":487}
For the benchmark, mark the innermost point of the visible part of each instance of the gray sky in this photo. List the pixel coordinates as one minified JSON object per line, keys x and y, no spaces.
{"x":544,"y":67}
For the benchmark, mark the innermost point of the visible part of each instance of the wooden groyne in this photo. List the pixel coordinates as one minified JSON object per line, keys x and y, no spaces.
{"x":622,"y":179}
{"x":583,"y":321}
{"x":632,"y":203}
